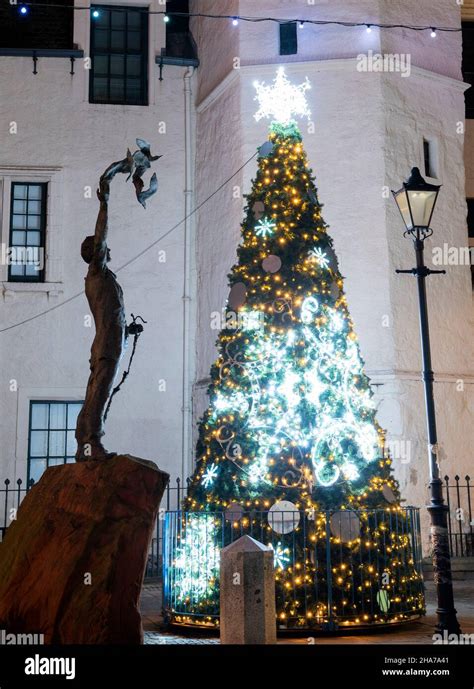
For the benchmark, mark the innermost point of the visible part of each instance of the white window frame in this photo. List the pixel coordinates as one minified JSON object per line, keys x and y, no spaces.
{"x":51,"y":176}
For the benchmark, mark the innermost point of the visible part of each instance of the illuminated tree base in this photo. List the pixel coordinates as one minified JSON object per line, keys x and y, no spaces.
{"x":298,"y":624}
{"x":323,"y":581}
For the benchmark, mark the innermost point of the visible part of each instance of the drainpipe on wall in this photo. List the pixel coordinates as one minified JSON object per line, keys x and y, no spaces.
{"x":186,"y":409}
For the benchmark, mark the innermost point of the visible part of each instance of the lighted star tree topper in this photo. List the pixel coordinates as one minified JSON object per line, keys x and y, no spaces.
{"x":282,"y":100}
{"x":291,"y":422}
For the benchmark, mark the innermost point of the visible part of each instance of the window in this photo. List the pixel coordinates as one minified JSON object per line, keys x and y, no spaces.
{"x":27,"y":232}
{"x":468,"y":65}
{"x":288,"y":39}
{"x":430,"y":158}
{"x":119,"y":52}
{"x":470,"y":229}
{"x":470,"y":217}
{"x":179,"y":40}
{"x":51,"y":437}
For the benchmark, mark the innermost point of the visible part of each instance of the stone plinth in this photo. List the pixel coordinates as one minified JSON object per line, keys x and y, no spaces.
{"x":247,"y":593}
{"x":72,"y":564}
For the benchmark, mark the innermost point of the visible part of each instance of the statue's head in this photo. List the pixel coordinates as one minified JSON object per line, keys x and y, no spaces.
{"x":87,"y":249}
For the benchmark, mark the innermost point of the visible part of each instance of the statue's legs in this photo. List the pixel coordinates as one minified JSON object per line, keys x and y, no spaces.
{"x":90,"y":422}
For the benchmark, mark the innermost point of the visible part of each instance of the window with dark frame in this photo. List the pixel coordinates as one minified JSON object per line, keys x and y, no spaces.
{"x":468,"y":66}
{"x":470,"y":230}
{"x":179,"y":39}
{"x":51,"y":435}
{"x":470,"y":217}
{"x":288,"y":39}
{"x":27,"y":232}
{"x":427,"y":158}
{"x":119,"y":53}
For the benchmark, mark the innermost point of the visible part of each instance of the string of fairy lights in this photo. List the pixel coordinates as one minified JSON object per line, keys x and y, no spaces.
{"x":25,"y":8}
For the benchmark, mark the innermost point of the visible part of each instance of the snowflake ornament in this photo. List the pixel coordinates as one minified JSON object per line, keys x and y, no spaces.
{"x":320,"y":257}
{"x":265,"y":227}
{"x":209,"y":476}
{"x":281,"y":556}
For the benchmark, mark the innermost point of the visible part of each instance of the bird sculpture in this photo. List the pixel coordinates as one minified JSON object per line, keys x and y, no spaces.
{"x":136,"y":164}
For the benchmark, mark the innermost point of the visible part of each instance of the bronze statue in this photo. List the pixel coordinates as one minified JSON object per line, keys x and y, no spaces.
{"x":105,"y":298}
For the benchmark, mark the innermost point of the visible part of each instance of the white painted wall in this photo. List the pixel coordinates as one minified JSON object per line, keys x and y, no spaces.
{"x":469,"y":158}
{"x":63,"y":138}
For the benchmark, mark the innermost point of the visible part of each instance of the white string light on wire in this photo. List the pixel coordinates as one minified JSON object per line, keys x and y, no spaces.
{"x":24,"y":9}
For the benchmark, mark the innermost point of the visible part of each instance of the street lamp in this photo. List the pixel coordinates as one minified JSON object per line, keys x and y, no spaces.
{"x":416,"y":201}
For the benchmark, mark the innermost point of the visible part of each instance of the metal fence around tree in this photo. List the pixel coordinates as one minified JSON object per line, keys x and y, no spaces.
{"x":333,"y":569}
{"x":172,"y":500}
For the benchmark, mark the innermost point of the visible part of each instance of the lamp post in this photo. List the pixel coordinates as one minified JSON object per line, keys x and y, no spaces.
{"x":416,"y":201}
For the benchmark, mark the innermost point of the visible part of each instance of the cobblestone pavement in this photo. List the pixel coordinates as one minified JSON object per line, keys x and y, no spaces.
{"x":416,"y":633}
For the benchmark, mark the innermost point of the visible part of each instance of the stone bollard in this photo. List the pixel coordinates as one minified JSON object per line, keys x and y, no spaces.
{"x":247,"y":593}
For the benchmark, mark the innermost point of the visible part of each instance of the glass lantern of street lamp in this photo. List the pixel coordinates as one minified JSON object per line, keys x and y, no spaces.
{"x":416,"y":201}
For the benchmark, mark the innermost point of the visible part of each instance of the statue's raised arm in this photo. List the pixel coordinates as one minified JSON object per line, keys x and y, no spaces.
{"x":99,"y":257}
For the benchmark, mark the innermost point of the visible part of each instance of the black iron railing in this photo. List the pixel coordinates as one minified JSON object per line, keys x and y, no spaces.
{"x":174,"y":495}
{"x":460,"y":516}
{"x":11,"y":495}
{"x":457,"y":493}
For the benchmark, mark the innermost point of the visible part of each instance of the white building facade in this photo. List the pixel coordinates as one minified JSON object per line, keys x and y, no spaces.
{"x":368,"y":129}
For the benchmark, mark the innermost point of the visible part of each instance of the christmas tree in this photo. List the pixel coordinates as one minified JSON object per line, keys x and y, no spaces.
{"x":289,"y":448}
